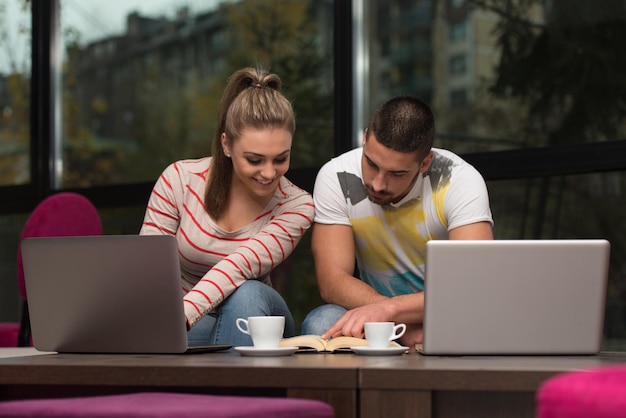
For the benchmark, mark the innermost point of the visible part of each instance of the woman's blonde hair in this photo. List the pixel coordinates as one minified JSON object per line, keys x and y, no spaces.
{"x":251,"y":99}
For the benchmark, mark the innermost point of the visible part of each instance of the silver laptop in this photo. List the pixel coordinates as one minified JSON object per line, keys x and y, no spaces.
{"x":515,"y":297}
{"x":106,"y":294}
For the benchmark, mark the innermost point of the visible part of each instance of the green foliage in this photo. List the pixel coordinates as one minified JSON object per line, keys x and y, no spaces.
{"x":569,"y":69}
{"x":283,"y":37}
{"x":174,"y":111}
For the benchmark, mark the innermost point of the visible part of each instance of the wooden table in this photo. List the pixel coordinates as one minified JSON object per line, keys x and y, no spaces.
{"x":490,"y":386}
{"x":330,"y":378}
{"x":356,"y":386}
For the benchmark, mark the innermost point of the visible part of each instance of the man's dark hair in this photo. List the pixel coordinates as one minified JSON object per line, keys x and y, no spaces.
{"x":404,"y":124}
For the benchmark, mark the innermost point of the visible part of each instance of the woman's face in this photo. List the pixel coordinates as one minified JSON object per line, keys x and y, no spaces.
{"x":260,"y":158}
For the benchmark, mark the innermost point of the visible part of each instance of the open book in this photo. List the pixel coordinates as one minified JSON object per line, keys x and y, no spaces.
{"x":317,"y":344}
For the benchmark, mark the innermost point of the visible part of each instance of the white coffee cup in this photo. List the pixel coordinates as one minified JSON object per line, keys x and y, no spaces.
{"x":380,"y":334}
{"x":266,"y":331}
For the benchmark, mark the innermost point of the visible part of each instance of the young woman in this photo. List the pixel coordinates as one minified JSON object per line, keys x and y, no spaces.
{"x":234,"y":214}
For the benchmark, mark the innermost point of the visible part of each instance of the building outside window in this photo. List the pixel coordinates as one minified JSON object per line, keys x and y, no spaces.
{"x":458,"y":65}
{"x":144,"y":93}
{"x":458,"y":31}
{"x":528,"y":75}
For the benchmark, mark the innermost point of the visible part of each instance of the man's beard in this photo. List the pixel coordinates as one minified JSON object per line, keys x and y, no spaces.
{"x":385,"y":200}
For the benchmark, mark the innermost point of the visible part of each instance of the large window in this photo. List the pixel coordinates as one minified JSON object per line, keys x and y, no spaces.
{"x":15,"y":75}
{"x":124,"y":88}
{"x":140,"y":86}
{"x":140,"y":82}
{"x":536,"y":75}
{"x":520,"y":75}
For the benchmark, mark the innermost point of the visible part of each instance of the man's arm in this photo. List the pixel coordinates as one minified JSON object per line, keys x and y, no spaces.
{"x":333,"y":251}
{"x":333,"y":246}
{"x":478,"y":230}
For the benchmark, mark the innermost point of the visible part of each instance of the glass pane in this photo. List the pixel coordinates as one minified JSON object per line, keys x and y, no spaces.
{"x":502,"y":74}
{"x":513,"y":75}
{"x":10,"y":299}
{"x":580,"y":206}
{"x":15,"y":67}
{"x":141,"y":80}
{"x":122,"y":220}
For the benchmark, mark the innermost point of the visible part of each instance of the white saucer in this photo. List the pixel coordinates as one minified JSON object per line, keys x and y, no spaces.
{"x":265,"y":352}
{"x":369,"y":351}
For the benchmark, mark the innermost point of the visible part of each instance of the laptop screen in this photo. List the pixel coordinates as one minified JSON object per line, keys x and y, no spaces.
{"x":515,"y":296}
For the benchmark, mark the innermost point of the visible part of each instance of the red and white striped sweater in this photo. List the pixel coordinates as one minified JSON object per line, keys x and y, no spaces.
{"x":214,"y":262}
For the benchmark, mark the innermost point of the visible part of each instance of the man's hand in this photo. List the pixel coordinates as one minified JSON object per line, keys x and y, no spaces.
{"x":414,"y":335}
{"x":353,"y":321}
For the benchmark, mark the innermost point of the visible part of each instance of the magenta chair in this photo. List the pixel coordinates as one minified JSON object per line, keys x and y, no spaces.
{"x":166,"y":405}
{"x":9,"y":332}
{"x":61,"y":214}
{"x":594,"y":393}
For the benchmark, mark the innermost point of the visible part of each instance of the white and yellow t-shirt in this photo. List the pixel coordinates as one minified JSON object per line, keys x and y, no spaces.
{"x":390,"y":241}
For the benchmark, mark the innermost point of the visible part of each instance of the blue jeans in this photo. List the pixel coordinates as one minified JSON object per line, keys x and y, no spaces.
{"x":321,"y":318}
{"x":253,"y":298}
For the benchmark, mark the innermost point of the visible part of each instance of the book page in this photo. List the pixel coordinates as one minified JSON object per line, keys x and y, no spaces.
{"x":315,"y":342}
{"x":305,"y":341}
{"x":345,"y":342}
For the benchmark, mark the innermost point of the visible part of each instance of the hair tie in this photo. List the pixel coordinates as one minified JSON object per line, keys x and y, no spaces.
{"x":257,"y":85}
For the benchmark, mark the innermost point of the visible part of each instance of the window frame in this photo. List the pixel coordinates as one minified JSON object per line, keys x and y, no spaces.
{"x":549,"y":161}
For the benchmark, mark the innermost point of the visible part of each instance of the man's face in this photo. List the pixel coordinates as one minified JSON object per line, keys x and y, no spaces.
{"x":389,"y":175}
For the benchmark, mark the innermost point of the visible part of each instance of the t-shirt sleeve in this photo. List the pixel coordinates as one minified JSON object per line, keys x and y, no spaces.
{"x":467,"y":200}
{"x":331,"y":206}
{"x":254,"y":258}
{"x":162,"y":215}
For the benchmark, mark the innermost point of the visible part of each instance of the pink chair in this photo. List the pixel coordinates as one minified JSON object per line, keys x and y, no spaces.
{"x":9,"y":332}
{"x":58,"y":215}
{"x":166,"y":405}
{"x":593,"y":393}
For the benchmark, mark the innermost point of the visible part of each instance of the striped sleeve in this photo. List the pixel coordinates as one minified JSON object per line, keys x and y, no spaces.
{"x":255,"y":257}
{"x":162,"y":215}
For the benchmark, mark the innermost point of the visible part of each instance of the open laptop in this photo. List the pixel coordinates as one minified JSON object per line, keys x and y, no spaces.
{"x":106,"y":294}
{"x":515,"y":297}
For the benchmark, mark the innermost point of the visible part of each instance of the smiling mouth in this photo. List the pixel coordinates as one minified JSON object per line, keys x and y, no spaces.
{"x":264,"y":182}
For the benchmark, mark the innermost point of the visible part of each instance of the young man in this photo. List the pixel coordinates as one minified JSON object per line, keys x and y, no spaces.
{"x":380,"y":204}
